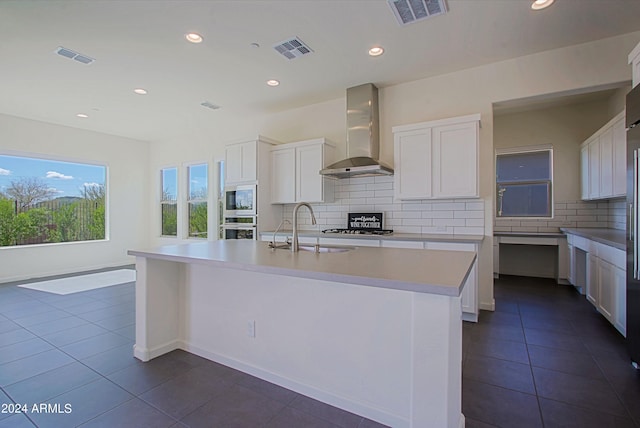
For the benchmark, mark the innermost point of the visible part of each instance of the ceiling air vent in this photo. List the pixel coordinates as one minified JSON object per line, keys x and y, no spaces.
{"x":409,"y":11}
{"x":292,"y":48}
{"x":68,"y":53}
{"x":210,"y":105}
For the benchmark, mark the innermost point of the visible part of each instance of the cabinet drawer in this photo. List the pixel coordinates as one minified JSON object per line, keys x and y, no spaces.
{"x":612,"y":255}
{"x":580,"y":242}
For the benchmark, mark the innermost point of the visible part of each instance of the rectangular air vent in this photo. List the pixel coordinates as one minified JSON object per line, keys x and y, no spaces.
{"x":68,"y":53}
{"x":292,"y":48}
{"x":210,"y":105}
{"x":409,"y":11}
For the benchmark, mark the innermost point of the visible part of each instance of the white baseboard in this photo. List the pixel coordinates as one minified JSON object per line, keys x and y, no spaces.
{"x":309,"y":391}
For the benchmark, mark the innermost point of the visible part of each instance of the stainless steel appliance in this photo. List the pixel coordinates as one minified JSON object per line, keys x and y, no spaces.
{"x":239,"y":228}
{"x":633,"y":247}
{"x":363,"y":136}
{"x":240,"y":200}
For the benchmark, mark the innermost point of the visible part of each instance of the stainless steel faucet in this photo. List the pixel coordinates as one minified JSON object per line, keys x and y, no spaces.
{"x":294,"y":238}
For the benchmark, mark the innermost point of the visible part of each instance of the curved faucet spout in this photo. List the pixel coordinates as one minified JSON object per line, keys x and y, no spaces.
{"x":294,"y":239}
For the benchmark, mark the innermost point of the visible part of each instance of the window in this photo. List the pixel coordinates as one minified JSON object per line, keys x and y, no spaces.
{"x":169,"y":201}
{"x":220,"y":199}
{"x":45,"y":201}
{"x":197,"y":203}
{"x":524,"y":183}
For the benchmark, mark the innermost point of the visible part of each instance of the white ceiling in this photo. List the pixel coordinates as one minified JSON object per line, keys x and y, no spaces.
{"x":141,"y":44}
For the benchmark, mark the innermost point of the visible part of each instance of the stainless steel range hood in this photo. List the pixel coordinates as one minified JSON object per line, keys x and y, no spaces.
{"x":363,"y":136}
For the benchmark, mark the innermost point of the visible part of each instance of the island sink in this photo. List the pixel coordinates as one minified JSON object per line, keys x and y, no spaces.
{"x":325,"y":249}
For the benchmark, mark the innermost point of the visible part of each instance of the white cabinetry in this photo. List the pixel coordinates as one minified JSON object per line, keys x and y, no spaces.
{"x":603,"y":162}
{"x":470,"y":290}
{"x":402,"y":244}
{"x":240,"y":162}
{"x":584,"y":171}
{"x":634,"y":60}
{"x":295,"y":171}
{"x":437,"y":159}
{"x":604,"y":276}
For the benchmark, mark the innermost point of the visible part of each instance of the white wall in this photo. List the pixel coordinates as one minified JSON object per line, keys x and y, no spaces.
{"x":127,"y":187}
{"x":573,"y":68}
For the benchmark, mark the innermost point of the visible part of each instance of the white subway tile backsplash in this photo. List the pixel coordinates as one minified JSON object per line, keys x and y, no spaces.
{"x":449,"y":222}
{"x":474,"y":222}
{"x":609,"y":214}
{"x":475,"y":206}
{"x":468,"y":230}
{"x":437,"y":214}
{"x":407,"y":214}
{"x":380,"y":186}
{"x":468,"y":214}
{"x":366,"y":194}
{"x":383,"y":193}
{"x":382,"y":200}
{"x":439,"y":206}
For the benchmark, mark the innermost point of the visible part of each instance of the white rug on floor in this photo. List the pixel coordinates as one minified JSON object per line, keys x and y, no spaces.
{"x":75,"y":284}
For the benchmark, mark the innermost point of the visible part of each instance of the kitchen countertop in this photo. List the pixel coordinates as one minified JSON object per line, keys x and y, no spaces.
{"x":392,"y":237}
{"x":612,"y":237}
{"x":425,"y":271}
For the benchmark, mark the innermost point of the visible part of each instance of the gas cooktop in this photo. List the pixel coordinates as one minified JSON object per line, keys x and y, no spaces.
{"x":360,"y":231}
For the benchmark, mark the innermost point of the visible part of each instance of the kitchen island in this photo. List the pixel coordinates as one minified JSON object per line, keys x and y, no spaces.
{"x":375,"y":331}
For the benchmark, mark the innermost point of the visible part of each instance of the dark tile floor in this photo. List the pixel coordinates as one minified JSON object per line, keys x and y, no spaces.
{"x":76,"y":350}
{"x":545,"y":358}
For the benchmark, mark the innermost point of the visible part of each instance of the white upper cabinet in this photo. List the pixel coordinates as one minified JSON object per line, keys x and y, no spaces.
{"x":412,"y":162}
{"x":295,"y":172}
{"x":437,"y":159}
{"x":283,"y":162}
{"x":584,"y":171}
{"x":455,"y":147}
{"x":241,"y":162}
{"x":634,"y":61}
{"x":603,"y":161}
{"x":619,"y":135}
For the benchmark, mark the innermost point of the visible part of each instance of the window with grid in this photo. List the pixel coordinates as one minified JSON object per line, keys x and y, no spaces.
{"x":197,"y":203}
{"x":524,"y":183}
{"x":169,"y":201}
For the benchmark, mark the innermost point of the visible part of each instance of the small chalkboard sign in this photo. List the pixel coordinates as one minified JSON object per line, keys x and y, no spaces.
{"x":364,"y":221}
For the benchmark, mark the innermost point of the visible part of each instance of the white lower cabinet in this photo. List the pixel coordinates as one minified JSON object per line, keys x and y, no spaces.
{"x":402,"y":244}
{"x":604,"y":275}
{"x":470,"y":290}
{"x":592,"y":279}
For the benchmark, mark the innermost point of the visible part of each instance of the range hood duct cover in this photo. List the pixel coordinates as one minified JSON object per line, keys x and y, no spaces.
{"x":363,"y":136}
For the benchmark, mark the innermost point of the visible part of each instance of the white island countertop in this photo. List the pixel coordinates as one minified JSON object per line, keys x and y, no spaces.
{"x":425,"y":271}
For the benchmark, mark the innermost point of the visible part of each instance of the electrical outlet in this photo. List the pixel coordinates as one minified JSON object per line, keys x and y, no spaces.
{"x":251,"y":328}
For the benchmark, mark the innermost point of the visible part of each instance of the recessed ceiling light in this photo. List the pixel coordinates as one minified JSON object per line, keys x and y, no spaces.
{"x":376,"y":51}
{"x":140,"y":91}
{"x":541,"y":4}
{"x":273,"y":82}
{"x":194,"y":37}
{"x":82,"y":115}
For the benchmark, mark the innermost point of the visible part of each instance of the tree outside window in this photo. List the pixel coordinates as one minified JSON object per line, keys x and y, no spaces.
{"x":169,"y":201}
{"x":198,"y":200}
{"x":46,"y":201}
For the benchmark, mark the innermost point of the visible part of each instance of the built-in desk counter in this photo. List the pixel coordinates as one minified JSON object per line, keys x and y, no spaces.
{"x":549,"y":257}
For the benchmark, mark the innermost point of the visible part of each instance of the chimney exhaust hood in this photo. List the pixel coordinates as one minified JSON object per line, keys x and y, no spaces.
{"x":363,"y":136}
